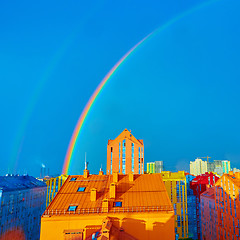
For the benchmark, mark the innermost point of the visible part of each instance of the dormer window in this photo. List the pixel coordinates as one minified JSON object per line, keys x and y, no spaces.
{"x":73,"y":179}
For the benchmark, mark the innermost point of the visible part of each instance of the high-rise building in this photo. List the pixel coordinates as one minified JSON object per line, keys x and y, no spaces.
{"x":155,"y":167}
{"x":226,"y":166}
{"x":221,"y":207}
{"x":125,"y":154}
{"x":118,"y":206}
{"x":175,"y":183}
{"x":22,"y":202}
{"x":151,"y":167}
{"x":198,"y":167}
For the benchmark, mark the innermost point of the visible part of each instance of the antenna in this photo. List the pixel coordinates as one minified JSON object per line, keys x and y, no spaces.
{"x":101,"y":168}
{"x":86,"y":164}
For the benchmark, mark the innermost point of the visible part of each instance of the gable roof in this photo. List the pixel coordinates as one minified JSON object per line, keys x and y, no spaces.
{"x":125,"y":134}
{"x":147,"y":190}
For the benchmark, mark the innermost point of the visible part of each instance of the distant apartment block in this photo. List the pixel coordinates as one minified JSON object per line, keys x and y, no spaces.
{"x":175,"y":183}
{"x":226,"y":166}
{"x":125,"y":154}
{"x":53,"y":185}
{"x":117,"y":206}
{"x":191,"y":206}
{"x":198,"y":167}
{"x":22,"y":200}
{"x":155,"y":167}
{"x":221,"y":205}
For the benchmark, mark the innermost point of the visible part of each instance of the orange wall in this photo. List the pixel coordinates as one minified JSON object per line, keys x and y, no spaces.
{"x":140,"y":225}
{"x":115,"y":156}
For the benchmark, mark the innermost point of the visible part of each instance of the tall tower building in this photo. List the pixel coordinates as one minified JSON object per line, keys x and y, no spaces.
{"x":125,"y":154}
{"x":226,"y":166}
{"x":198,"y":167}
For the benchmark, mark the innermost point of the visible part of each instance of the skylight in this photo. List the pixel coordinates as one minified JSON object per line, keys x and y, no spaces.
{"x":117,"y":204}
{"x":72,"y":208}
{"x":81,"y":189}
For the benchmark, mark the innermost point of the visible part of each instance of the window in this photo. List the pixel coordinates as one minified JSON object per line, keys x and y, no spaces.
{"x":81,"y":189}
{"x":73,"y":179}
{"x":132,"y":157}
{"x":117,"y":204}
{"x":72,"y":208}
{"x":123,"y":155}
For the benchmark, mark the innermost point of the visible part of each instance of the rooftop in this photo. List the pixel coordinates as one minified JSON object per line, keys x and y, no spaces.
{"x":209,"y":193}
{"x":126,"y":134}
{"x":144,"y":191}
{"x":12,"y":183}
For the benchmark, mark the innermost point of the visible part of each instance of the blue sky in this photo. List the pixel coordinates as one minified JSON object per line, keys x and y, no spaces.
{"x":179,"y":91}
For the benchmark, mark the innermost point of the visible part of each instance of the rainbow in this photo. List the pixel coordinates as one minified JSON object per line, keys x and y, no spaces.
{"x":82,"y":118}
{"x":87,"y":108}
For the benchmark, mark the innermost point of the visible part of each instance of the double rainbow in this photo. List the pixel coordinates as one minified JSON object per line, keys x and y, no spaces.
{"x":82,"y":118}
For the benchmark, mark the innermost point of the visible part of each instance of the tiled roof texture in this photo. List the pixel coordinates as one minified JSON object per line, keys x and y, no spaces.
{"x":147,"y":190}
{"x":12,"y":183}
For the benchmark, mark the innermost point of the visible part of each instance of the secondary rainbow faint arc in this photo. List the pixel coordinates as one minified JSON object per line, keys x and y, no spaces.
{"x":90,"y":102}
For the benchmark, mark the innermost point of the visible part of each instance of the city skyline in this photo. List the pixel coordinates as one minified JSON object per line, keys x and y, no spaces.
{"x":178,"y":91}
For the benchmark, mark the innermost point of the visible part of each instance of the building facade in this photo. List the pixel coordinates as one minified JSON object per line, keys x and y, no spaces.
{"x":223,"y":209}
{"x":125,"y":154}
{"x":155,"y":167}
{"x":22,"y":200}
{"x":108,"y":206}
{"x":177,"y":191}
{"x":199,"y":185}
{"x":53,"y":185}
{"x":226,"y":166}
{"x":198,"y":167}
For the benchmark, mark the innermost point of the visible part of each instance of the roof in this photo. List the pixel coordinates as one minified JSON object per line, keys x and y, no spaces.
{"x":123,"y":135}
{"x":173,"y":175}
{"x":12,"y":183}
{"x":235,"y":178}
{"x":147,"y":190}
{"x":203,"y":178}
{"x":209,"y":193}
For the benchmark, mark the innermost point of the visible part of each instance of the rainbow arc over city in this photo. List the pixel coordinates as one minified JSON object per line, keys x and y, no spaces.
{"x":87,"y":108}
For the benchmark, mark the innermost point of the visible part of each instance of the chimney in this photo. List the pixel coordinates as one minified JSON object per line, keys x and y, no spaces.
{"x":93,"y":195}
{"x":237,"y":175}
{"x":100,"y":173}
{"x":230,"y":173}
{"x":113,"y":190}
{"x":115,"y":177}
{"x":131,"y":177}
{"x":85,"y":173}
{"x":105,"y":205}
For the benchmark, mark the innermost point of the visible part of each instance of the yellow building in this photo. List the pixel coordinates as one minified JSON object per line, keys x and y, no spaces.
{"x":151,"y":167}
{"x":198,"y":167}
{"x":53,"y":185}
{"x":177,"y":190}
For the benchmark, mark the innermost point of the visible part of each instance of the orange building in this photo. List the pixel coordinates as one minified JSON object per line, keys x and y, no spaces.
{"x":125,"y":154}
{"x":226,"y":215}
{"x":134,"y":206}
